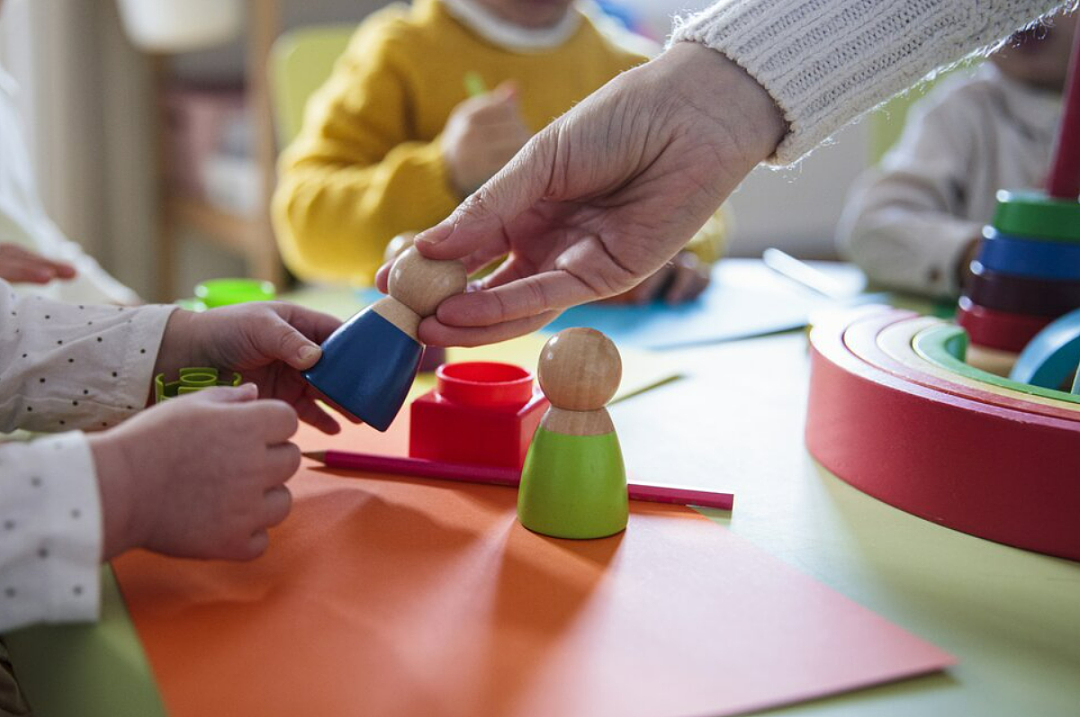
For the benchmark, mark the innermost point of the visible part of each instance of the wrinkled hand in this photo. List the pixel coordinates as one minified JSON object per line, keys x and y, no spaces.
{"x":268,"y":343}
{"x":22,"y":266}
{"x":681,"y":280}
{"x":482,"y":134}
{"x":604,"y":196}
{"x":200,"y":476}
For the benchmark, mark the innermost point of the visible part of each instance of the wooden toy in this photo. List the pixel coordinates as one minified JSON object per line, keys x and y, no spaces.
{"x":998,"y":329}
{"x":1050,"y":358}
{"x":1033,"y":214}
{"x":990,"y":360}
{"x":433,"y":356}
{"x":370,"y":362}
{"x":1021,"y":294}
{"x":479,"y":413}
{"x":497,"y":475}
{"x":1005,"y":474}
{"x":573,"y":483}
{"x":1064,"y":179}
{"x":884,"y":342}
{"x":1037,"y":259}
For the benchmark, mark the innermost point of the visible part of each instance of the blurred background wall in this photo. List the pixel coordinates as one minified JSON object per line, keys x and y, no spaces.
{"x":90,"y":105}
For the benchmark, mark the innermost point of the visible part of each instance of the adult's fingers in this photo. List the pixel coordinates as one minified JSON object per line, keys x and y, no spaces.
{"x":687,"y":286}
{"x":434,"y":333}
{"x":482,"y":219}
{"x":520,"y":299}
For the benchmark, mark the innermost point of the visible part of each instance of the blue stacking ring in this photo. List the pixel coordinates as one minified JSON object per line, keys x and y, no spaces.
{"x":1029,"y":257}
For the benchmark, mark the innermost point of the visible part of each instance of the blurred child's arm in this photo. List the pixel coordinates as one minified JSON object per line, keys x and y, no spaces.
{"x":905,"y":224}
{"x":355,"y":177}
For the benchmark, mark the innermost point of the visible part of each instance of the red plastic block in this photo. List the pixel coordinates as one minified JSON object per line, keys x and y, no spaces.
{"x":480,"y":413}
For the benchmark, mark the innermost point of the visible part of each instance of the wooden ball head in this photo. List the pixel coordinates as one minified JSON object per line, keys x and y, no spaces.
{"x":579,"y":370}
{"x":422,"y":284}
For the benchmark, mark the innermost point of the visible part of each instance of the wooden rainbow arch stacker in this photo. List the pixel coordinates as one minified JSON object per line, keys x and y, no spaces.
{"x":897,"y":411}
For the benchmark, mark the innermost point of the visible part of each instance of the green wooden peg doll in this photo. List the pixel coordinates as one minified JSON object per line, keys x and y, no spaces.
{"x":573,"y":483}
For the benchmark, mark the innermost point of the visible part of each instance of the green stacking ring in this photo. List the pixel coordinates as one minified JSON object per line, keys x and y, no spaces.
{"x":191,"y":380}
{"x":1033,"y":214}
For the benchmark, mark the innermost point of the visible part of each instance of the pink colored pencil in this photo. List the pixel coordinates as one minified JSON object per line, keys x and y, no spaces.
{"x":493,"y":475}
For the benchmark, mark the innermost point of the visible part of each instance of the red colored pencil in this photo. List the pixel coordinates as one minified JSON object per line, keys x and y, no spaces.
{"x":493,"y":475}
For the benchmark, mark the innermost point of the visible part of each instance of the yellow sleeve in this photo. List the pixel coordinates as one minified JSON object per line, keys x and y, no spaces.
{"x":354,"y":178}
{"x":710,"y":242}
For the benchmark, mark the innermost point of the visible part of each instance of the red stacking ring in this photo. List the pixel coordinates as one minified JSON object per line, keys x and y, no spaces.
{"x":998,"y":329}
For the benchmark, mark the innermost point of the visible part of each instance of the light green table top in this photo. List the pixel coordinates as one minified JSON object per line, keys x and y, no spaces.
{"x":1012,"y":618}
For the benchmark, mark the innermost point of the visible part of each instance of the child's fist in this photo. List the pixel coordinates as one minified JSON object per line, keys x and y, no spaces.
{"x":482,"y":135}
{"x":200,"y":476}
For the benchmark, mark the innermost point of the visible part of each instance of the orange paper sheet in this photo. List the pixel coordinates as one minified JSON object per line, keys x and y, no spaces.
{"x":391,"y":597}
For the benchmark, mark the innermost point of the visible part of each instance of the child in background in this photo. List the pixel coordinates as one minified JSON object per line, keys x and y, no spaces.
{"x":68,"y":274}
{"x":915,"y":223}
{"x":393,"y":143}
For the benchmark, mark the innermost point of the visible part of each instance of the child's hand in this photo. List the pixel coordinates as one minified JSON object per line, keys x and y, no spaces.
{"x":200,"y":476}
{"x":482,"y":135}
{"x":268,"y":343}
{"x":679,"y":281}
{"x":19,"y":265}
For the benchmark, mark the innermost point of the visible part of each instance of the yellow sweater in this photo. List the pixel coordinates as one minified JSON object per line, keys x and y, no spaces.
{"x":368,"y":163}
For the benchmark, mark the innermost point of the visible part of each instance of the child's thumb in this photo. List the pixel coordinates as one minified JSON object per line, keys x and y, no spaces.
{"x":227,"y":394}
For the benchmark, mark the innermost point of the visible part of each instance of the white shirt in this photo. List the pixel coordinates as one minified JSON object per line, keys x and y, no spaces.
{"x":908,"y":223}
{"x":62,"y":368}
{"x":23,"y":220}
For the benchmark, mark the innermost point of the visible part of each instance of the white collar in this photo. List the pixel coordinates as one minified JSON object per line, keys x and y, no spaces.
{"x":509,"y":36}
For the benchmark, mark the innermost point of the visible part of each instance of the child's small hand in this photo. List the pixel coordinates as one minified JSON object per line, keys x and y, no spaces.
{"x":681,"y":280}
{"x":268,"y":343}
{"x":19,"y":265}
{"x":200,"y":476}
{"x":482,"y":135}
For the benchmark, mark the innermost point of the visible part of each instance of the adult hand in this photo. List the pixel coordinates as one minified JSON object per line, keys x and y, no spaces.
{"x":482,"y":134}
{"x":19,"y":265}
{"x":201,"y":476}
{"x":268,"y":343}
{"x":604,"y":196}
{"x":681,"y":280}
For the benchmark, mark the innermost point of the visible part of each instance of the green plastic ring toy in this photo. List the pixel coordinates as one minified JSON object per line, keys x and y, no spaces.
{"x":191,"y":380}
{"x":1034,"y":215}
{"x":225,"y":292}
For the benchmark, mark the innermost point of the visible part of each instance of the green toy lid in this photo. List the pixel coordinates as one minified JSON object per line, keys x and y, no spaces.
{"x":191,"y":380}
{"x":1033,"y":214}
{"x":224,"y":292}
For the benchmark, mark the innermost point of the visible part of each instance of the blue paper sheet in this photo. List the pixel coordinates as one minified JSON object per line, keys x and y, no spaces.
{"x":745,"y":299}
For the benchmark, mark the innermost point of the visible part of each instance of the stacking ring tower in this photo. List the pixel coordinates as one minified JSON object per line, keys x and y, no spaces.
{"x":897,"y":410}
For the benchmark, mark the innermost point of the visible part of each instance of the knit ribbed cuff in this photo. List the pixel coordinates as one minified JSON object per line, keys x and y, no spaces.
{"x":825,"y":62}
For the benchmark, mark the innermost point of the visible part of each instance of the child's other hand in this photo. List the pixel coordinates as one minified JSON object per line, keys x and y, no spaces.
{"x":482,"y":135}
{"x":19,"y":265}
{"x":681,"y":280}
{"x":201,"y":476}
{"x":268,"y":343}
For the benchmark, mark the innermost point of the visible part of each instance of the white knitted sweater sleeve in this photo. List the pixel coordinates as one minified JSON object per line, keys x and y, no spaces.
{"x":825,"y":62}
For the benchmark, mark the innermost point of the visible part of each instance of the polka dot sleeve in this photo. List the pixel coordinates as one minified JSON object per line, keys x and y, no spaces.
{"x":68,"y":366}
{"x":50,"y":532}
